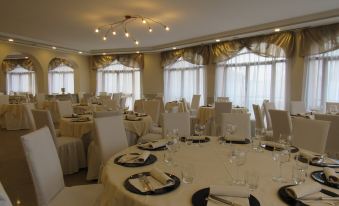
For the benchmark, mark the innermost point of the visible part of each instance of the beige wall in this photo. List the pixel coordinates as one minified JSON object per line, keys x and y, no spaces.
{"x":41,"y":58}
{"x":152,"y":75}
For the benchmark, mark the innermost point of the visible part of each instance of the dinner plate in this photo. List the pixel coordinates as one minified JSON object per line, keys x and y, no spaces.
{"x":246,"y":141}
{"x":207,"y":139}
{"x":314,"y":162}
{"x":270,"y":148}
{"x":150,"y":160}
{"x":160,"y":191}
{"x":199,"y":198}
{"x":151,"y":149}
{"x":320,"y":177}
{"x":291,"y":201}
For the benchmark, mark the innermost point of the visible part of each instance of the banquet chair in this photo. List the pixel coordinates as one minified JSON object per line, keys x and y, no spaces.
{"x":267,"y":106}
{"x":47,"y":175}
{"x":240,"y":120}
{"x":223,"y":99}
{"x":310,"y":134}
{"x":139,"y":106}
{"x":332,"y":142}
{"x":185,"y":105}
{"x":195,"y":104}
{"x":332,"y":105}
{"x":123,"y":102}
{"x":110,"y":104}
{"x":28,"y":110}
{"x":86,"y":98}
{"x":259,"y":120}
{"x":174,"y":109}
{"x":220,"y":108}
{"x":117,"y":96}
{"x":180,"y":121}
{"x":4,"y":199}
{"x":4,"y":99}
{"x":152,"y":108}
{"x":281,"y":123}
{"x":70,"y":149}
{"x":65,"y":108}
{"x":111,"y":136}
{"x":297,"y":107}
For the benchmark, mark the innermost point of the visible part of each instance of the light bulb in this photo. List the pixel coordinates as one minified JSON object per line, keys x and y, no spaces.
{"x":53,"y":47}
{"x":167,"y":28}
{"x":80,"y":52}
{"x":114,"y":33}
{"x":127,"y":34}
{"x":136,"y":42}
{"x":150,"y":29}
{"x":97,"y":30}
{"x":277,"y":29}
{"x":143,"y":21}
{"x":104,"y":38}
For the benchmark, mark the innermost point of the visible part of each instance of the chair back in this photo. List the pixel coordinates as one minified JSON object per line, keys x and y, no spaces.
{"x":241,"y":121}
{"x":220,"y":108}
{"x":281,"y":123}
{"x":310,"y":134}
{"x":162,"y":105}
{"x":43,"y":118}
{"x":152,"y":108}
{"x":332,"y":106}
{"x":111,"y":136}
{"x":123,"y":102}
{"x":116,"y":96}
{"x":5,"y":201}
{"x":174,"y":109}
{"x":332,"y":142}
{"x":297,"y":107}
{"x":111,"y":104}
{"x":259,"y":120}
{"x":106,"y":113}
{"x":65,"y":108}
{"x":185,"y":105}
{"x":223,"y":99}
{"x":4,"y":99}
{"x":44,"y":164}
{"x":139,"y":106}
{"x":28,"y":110}
{"x":195,"y":102}
{"x":86,"y":98}
{"x":180,"y":121}
{"x":267,"y":106}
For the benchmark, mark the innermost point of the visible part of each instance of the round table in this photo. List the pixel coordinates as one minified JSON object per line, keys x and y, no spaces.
{"x":206,"y":113}
{"x":209,"y":161}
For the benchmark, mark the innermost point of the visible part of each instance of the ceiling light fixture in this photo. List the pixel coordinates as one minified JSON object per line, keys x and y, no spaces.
{"x":10,"y":40}
{"x":217,"y":40}
{"x":80,"y":52}
{"x":174,"y":48}
{"x":277,"y":29}
{"x":122,"y":24}
{"x":53,"y":47}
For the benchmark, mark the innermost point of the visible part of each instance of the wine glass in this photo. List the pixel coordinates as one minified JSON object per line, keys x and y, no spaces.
{"x":199,"y":130}
{"x":256,"y":140}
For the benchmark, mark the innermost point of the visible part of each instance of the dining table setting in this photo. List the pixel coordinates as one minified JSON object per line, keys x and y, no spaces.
{"x":205,"y":170}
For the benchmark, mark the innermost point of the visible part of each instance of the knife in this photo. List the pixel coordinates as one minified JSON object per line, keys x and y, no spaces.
{"x":223,"y":200}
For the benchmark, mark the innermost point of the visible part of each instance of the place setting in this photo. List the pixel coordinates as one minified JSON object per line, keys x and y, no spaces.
{"x":154,"y":182}
{"x":318,"y":160}
{"x":158,"y":145}
{"x":81,"y":119}
{"x":135,"y":159}
{"x":327,"y":176}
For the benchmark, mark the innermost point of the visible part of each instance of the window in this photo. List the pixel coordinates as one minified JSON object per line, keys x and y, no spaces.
{"x":322,"y":79}
{"x":61,"y":77}
{"x":183,"y":80}
{"x":119,"y":78}
{"x":249,"y":79}
{"x":20,"y":80}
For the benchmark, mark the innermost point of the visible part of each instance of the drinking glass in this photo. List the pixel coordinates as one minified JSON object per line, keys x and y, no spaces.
{"x":168,"y":157}
{"x":240,"y":160}
{"x":256,"y":140}
{"x":299,"y":172}
{"x":199,"y":130}
{"x":188,"y":173}
{"x":252,"y":179}
{"x":283,"y":157}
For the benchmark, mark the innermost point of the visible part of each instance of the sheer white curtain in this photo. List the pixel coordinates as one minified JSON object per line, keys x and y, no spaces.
{"x":183,"y":80}
{"x":20,"y":80}
{"x":61,"y":77}
{"x":249,"y":79}
{"x":119,"y":78}
{"x":322,"y":79}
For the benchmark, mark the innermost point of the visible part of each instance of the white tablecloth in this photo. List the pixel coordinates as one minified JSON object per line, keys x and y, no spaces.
{"x":13,"y":117}
{"x":206,"y":113}
{"x":170,"y":105}
{"x":209,"y":162}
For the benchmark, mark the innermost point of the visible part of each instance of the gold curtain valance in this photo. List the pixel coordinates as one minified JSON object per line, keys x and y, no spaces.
{"x":319,"y":40}
{"x":196,"y":55}
{"x":56,"y":62}
{"x":128,"y":60}
{"x":10,"y":64}
{"x":274,"y":45}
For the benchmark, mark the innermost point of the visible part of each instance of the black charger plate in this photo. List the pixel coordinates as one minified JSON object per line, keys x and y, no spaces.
{"x":151,"y":149}
{"x":293,"y":149}
{"x":320,"y":177}
{"x":199,"y":198}
{"x":207,"y":139}
{"x":246,"y":141}
{"x":285,"y":197}
{"x":318,"y":164}
{"x":150,"y":160}
{"x":160,"y":191}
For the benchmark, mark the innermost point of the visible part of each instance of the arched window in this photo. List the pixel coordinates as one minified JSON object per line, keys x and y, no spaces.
{"x":60,"y":75}
{"x":249,"y":78}
{"x":183,"y":79}
{"x":119,"y":78}
{"x":20,"y":80}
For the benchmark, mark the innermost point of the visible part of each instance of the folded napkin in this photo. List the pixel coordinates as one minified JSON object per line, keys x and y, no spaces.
{"x":237,"y":194}
{"x":307,"y":155}
{"x":198,"y":138}
{"x":135,"y":158}
{"x":131,"y":117}
{"x":155,"y":144}
{"x":157,"y":179}
{"x":331,"y":175}
{"x":304,"y":191}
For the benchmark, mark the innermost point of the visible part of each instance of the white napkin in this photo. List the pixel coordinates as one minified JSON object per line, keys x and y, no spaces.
{"x":131,"y":117}
{"x":304,"y":191}
{"x":156,"y":144}
{"x":307,"y":155}
{"x":135,"y":158}
{"x":237,"y":194}
{"x":331,"y":175}
{"x":198,"y":138}
{"x":161,"y":176}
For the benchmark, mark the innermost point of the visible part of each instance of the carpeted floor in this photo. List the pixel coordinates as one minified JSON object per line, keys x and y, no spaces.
{"x":14,"y":172}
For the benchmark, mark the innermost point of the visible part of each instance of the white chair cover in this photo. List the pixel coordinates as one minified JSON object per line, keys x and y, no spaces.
{"x":298,"y":107}
{"x":123,"y":102}
{"x":241,"y":121}
{"x":29,"y":115}
{"x":267,"y":106}
{"x":195,"y":102}
{"x":223,"y":99}
{"x":4,"y":99}
{"x":139,"y":106}
{"x":221,"y":107}
{"x":310,"y":134}
{"x":111,"y":136}
{"x":65,"y":108}
{"x":185,"y":105}
{"x":47,"y":174}
{"x":332,"y":143}
{"x":281,"y":123}
{"x":259,"y":120}
{"x":180,"y":121}
{"x":111,"y":104}
{"x":152,"y":108}
{"x":116,"y":96}
{"x":330,"y":105}
{"x":4,"y":199}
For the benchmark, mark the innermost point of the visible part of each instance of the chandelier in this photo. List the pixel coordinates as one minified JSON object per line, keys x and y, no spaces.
{"x":122,"y":25}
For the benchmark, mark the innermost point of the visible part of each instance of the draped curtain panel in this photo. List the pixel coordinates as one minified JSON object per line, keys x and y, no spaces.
{"x":319,"y":40}
{"x":195,"y":55}
{"x":10,"y":64}
{"x":56,"y":62}
{"x":128,"y":60}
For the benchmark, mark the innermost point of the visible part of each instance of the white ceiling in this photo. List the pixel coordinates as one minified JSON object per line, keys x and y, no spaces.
{"x":71,"y":23}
